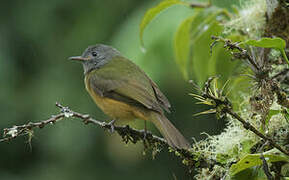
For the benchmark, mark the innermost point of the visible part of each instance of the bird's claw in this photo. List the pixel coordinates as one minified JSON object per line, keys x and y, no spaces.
{"x":111,"y":123}
{"x":145,"y":134}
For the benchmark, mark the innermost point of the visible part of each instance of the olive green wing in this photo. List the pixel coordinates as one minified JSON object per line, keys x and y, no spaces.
{"x":160,"y":96}
{"x":123,"y":80}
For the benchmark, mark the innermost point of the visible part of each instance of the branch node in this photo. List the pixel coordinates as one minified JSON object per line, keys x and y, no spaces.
{"x":86,"y":119}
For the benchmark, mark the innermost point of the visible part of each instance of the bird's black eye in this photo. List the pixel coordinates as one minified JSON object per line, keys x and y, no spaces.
{"x":94,"y":54}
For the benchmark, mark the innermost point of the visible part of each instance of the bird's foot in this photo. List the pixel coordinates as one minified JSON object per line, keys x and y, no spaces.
{"x":145,"y":134}
{"x":111,"y":123}
{"x":145,"y":130}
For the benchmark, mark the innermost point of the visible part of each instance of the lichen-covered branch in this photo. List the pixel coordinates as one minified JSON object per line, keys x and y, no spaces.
{"x":248,"y":126}
{"x":261,"y":72}
{"x":16,"y":131}
{"x":127,"y":133}
{"x":241,"y":54}
{"x":222,"y":105}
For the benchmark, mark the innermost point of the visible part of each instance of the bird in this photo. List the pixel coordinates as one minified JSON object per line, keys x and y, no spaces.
{"x":123,"y":91}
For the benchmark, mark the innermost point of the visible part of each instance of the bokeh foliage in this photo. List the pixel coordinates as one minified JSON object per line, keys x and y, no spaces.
{"x":38,"y":36}
{"x":36,"y":39}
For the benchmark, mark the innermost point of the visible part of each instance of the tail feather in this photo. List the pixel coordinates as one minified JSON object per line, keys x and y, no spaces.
{"x":169,"y":131}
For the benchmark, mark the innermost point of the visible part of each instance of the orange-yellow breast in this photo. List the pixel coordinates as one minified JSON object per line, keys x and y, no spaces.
{"x":116,"y":109}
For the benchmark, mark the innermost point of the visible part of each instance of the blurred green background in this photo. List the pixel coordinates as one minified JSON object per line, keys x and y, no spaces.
{"x":36,"y":38}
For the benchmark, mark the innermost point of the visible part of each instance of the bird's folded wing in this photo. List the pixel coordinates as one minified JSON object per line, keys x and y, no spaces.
{"x":129,"y":86}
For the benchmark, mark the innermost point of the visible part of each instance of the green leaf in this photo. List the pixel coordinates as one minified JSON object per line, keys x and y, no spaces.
{"x":182,"y":44}
{"x":200,"y":63}
{"x":221,"y":61}
{"x":250,"y":174}
{"x":192,"y":29}
{"x":275,"y":43}
{"x":203,"y":64}
{"x":153,"y":12}
{"x":251,"y":160}
{"x":192,"y":45}
{"x":271,"y":113}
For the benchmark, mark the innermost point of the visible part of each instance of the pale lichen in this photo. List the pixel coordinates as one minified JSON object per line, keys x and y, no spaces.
{"x":12,"y":131}
{"x":235,"y":141}
{"x":277,"y":121}
{"x":250,"y":20}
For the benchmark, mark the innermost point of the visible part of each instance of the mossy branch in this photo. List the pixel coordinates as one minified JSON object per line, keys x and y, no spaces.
{"x":248,"y":126}
{"x":127,"y":133}
{"x":223,"y":106}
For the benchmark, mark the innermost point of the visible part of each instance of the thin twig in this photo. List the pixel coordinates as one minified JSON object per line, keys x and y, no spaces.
{"x":243,"y":53}
{"x":16,"y":131}
{"x":266,"y":168}
{"x":248,"y":126}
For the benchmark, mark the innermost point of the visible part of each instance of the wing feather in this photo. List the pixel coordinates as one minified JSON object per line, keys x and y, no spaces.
{"x":124,"y":78}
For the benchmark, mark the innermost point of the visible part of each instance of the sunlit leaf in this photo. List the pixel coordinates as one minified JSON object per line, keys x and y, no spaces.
{"x":251,"y":160}
{"x":200,"y":65}
{"x":182,"y":44}
{"x":202,"y":30}
{"x":250,"y":174}
{"x":209,"y":16}
{"x":276,"y":43}
{"x":183,"y":40}
{"x":153,"y":12}
{"x":192,"y":44}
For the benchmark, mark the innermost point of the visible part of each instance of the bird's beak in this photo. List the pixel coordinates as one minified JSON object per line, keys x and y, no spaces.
{"x":78,"y":58}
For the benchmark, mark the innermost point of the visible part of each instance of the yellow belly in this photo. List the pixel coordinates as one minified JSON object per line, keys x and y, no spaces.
{"x":116,"y":109}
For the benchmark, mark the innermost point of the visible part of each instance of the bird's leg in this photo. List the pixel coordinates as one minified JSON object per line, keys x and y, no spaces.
{"x":145,"y":143}
{"x":145,"y":130}
{"x":111,"y":123}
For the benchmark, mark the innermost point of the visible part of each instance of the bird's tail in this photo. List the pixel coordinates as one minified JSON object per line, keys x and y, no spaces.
{"x":174,"y":138}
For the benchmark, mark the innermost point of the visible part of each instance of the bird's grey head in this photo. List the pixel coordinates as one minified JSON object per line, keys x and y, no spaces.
{"x":96,"y":56}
